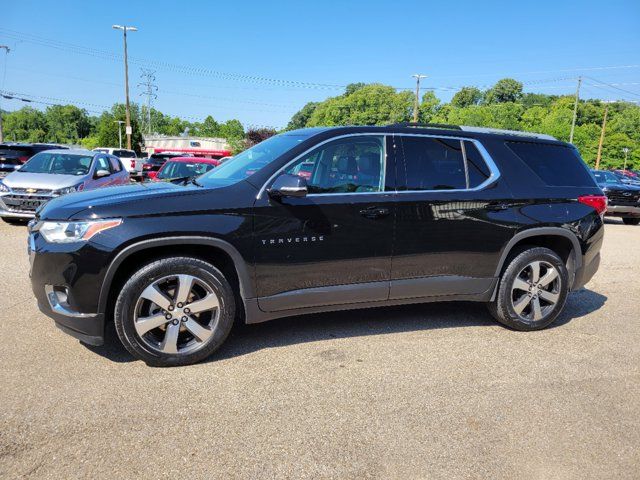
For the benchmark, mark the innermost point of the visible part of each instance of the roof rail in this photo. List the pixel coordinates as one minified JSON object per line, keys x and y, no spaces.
{"x":517,"y":133}
{"x":425,"y":125}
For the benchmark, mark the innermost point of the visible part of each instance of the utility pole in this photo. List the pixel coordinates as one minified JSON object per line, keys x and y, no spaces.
{"x":4,"y":75}
{"x":575,"y":110}
{"x":119,"y":122}
{"x":124,"y":29}
{"x":626,"y":153}
{"x":416,"y":106}
{"x":604,"y":126}
{"x":150,"y":89}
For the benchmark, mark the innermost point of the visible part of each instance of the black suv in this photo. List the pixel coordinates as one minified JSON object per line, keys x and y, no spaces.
{"x":388,"y":215}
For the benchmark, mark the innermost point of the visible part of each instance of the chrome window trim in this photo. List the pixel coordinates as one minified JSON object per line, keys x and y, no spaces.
{"x":298,"y":157}
{"x":494,"y":172}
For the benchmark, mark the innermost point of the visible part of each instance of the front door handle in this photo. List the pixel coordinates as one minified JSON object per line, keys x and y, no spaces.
{"x":374,"y":212}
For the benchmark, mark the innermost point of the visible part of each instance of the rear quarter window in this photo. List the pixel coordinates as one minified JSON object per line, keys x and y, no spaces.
{"x":555,"y":165}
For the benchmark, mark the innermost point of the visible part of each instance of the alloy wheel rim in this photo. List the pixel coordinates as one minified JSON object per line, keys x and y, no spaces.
{"x":536,"y":291}
{"x":177,"y":314}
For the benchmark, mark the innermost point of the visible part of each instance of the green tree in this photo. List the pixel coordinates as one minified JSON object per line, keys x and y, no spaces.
{"x":505,"y":90}
{"x":232,"y":130}
{"x":107,"y":128}
{"x":25,"y":125}
{"x":466,"y":97}
{"x":301,"y":117}
{"x":429,"y":107}
{"x":209,"y":128}
{"x":372,"y":104}
{"x":66,"y":123}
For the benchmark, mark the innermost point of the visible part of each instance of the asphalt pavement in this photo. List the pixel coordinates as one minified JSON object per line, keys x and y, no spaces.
{"x":423,"y":391}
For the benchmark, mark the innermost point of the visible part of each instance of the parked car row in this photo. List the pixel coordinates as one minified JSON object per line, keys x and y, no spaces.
{"x":33,"y":174}
{"x":623,"y":197}
{"x":56,"y":172}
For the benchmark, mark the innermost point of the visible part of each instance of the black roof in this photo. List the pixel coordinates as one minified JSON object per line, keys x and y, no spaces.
{"x":432,"y":129}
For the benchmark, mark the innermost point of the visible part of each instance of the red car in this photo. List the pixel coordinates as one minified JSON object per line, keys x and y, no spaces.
{"x":183,"y":168}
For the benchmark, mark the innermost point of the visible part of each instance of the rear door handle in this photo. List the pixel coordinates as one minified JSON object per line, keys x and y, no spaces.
{"x":374,"y":212}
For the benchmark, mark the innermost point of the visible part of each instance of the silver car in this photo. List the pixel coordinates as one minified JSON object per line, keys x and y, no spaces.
{"x":56,"y":172}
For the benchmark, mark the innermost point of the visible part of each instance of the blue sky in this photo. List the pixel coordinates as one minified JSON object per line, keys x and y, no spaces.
{"x":244,"y":59}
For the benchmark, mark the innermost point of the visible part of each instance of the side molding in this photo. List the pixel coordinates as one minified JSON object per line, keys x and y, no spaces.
{"x":244,"y":277}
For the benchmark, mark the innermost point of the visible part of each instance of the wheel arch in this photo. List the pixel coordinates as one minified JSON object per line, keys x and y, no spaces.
{"x":562,"y":241}
{"x":220,"y":253}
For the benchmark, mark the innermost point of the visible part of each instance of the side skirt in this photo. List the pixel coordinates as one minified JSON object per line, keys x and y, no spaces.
{"x":484,"y":289}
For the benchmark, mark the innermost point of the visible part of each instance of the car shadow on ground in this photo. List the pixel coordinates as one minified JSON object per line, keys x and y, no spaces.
{"x":245,"y":339}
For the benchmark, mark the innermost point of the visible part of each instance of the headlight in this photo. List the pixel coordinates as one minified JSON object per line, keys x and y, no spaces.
{"x":68,"y":232}
{"x":4,"y":188}
{"x":75,"y":188}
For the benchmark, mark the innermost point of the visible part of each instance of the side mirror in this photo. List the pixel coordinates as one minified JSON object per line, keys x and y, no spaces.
{"x":102,"y":173}
{"x":287,"y":185}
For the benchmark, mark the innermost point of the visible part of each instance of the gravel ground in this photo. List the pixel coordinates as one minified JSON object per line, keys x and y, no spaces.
{"x":427,"y":391}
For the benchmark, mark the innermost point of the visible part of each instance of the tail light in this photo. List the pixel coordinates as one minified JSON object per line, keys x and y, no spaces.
{"x":24,"y":158}
{"x":597,"y":202}
{"x":153,"y":175}
{"x":146,"y":166}
{"x":133,"y":164}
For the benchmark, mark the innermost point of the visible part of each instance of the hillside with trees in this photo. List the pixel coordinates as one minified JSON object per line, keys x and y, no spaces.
{"x":505,"y":105}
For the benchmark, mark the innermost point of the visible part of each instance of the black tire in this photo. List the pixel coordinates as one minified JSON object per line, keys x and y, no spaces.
{"x":631,"y":221}
{"x":503,"y":308}
{"x":14,"y":221}
{"x":129,"y":299}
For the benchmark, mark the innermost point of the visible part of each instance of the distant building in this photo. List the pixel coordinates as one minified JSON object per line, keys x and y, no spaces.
{"x":198,"y":146}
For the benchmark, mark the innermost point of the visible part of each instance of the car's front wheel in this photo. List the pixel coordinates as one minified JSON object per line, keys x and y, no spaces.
{"x":532,"y":290}
{"x":174,"y":311}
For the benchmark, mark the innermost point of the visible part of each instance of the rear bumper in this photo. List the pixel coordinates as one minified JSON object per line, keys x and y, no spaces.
{"x":623,"y":211}
{"x":585,"y":273}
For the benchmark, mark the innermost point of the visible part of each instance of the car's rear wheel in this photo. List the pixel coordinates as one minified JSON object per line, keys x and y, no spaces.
{"x":174,"y":311}
{"x":532,"y":290}
{"x":631,"y":221}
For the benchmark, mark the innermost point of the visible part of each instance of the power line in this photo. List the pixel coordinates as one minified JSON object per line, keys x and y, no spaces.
{"x":612,"y":86}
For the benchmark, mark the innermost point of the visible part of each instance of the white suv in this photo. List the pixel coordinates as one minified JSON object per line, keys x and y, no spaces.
{"x":128,"y":158}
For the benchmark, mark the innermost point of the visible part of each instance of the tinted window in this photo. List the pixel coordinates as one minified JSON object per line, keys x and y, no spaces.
{"x":124,"y":153}
{"x":347,"y":165}
{"x":478,"y":169}
{"x":183,"y":169}
{"x":556,"y":165}
{"x":432,"y":164}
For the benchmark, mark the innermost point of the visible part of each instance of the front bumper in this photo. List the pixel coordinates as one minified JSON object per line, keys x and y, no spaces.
{"x":623,"y":211}
{"x":66,"y":284}
{"x":14,"y":205}
{"x":88,"y":328}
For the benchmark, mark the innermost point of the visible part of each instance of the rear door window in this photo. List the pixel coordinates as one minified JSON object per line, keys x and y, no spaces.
{"x":116,"y":166}
{"x":556,"y":165}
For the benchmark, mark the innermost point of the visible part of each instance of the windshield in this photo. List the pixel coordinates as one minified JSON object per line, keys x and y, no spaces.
{"x":605,"y":177}
{"x":250,"y":161}
{"x":58,"y":163}
{"x":184,"y":169}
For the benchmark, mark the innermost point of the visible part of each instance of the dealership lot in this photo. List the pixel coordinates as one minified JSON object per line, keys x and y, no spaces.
{"x":427,"y":391}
